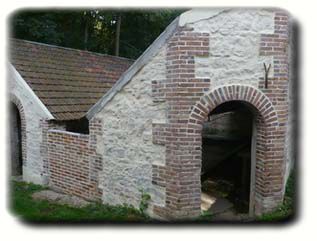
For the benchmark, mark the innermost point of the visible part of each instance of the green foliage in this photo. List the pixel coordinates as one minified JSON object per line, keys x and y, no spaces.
{"x":286,"y":210}
{"x":205,"y":216}
{"x":140,"y":28}
{"x":144,"y":203}
{"x":92,"y":29}
{"x":28,"y":209}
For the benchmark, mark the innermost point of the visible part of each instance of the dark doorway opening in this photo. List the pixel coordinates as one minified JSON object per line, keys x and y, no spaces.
{"x":226,"y":158}
{"x":15,"y":141}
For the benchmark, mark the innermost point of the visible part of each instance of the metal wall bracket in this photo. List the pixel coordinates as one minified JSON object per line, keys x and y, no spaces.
{"x":266,"y":70}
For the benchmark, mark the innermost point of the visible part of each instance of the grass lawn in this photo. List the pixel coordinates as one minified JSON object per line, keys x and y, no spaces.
{"x":22,"y":205}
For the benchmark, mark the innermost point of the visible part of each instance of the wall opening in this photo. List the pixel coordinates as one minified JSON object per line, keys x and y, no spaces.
{"x":15,"y":141}
{"x":227,"y":155}
{"x":78,"y":126}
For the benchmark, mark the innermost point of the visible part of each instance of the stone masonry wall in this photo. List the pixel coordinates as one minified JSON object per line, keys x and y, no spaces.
{"x":148,"y":137}
{"x":225,"y":53}
{"x":151,"y":129}
{"x":125,"y":144}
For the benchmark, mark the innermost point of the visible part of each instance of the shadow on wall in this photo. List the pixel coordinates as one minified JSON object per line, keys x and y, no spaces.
{"x":296,"y":92}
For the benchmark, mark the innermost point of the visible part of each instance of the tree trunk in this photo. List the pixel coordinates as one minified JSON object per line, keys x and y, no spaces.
{"x":118,"y":25}
{"x":86,"y":34}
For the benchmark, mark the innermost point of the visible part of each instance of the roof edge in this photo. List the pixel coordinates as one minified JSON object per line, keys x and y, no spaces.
{"x":125,"y":78}
{"x":70,"y":49}
{"x":20,"y":79}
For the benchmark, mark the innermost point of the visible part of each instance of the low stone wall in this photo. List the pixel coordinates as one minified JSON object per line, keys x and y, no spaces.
{"x":71,"y":169}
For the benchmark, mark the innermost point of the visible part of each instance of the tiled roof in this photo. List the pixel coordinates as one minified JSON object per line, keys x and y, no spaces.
{"x":68,"y":81}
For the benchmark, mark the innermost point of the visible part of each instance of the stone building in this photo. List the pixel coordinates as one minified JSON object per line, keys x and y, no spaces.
{"x":108,"y":128}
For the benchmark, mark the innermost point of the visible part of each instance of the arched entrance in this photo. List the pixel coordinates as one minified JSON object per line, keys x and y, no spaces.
{"x":263,"y":186}
{"x":228,"y":144}
{"x":181,"y":175}
{"x":15,"y":140}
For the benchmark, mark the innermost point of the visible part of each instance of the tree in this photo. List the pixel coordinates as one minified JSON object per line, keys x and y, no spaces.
{"x":118,"y":29}
{"x":103,"y":31}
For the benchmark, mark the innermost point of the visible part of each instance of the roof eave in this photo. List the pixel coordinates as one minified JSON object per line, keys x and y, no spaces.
{"x":36,"y":99}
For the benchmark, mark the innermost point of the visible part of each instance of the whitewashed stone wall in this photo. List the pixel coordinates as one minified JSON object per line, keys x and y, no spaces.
{"x":33,"y":167}
{"x":126,"y":144}
{"x":234,"y":44}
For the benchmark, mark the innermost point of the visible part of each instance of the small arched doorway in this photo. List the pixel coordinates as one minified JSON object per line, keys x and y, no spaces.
{"x":228,"y":158}
{"x":15,"y":141}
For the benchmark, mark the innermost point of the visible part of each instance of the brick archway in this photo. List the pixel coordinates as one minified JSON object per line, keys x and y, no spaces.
{"x":18,"y":104}
{"x":266,"y":123}
{"x":223,"y":94}
{"x":181,"y":174}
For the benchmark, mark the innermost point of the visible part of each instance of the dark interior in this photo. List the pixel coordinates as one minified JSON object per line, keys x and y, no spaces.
{"x":15,"y":141}
{"x":78,"y":126}
{"x":226,"y":154}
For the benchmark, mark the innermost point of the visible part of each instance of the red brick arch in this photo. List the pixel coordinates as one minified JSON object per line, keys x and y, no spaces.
{"x":181,"y":174}
{"x":190,"y":100}
{"x":18,"y":104}
{"x":265,"y":186}
{"x":227,"y":93}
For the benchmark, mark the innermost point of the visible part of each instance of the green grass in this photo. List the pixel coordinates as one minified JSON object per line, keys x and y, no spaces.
{"x":28,"y":209}
{"x":205,"y":216}
{"x":287,"y":210}
{"x":23,"y":206}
